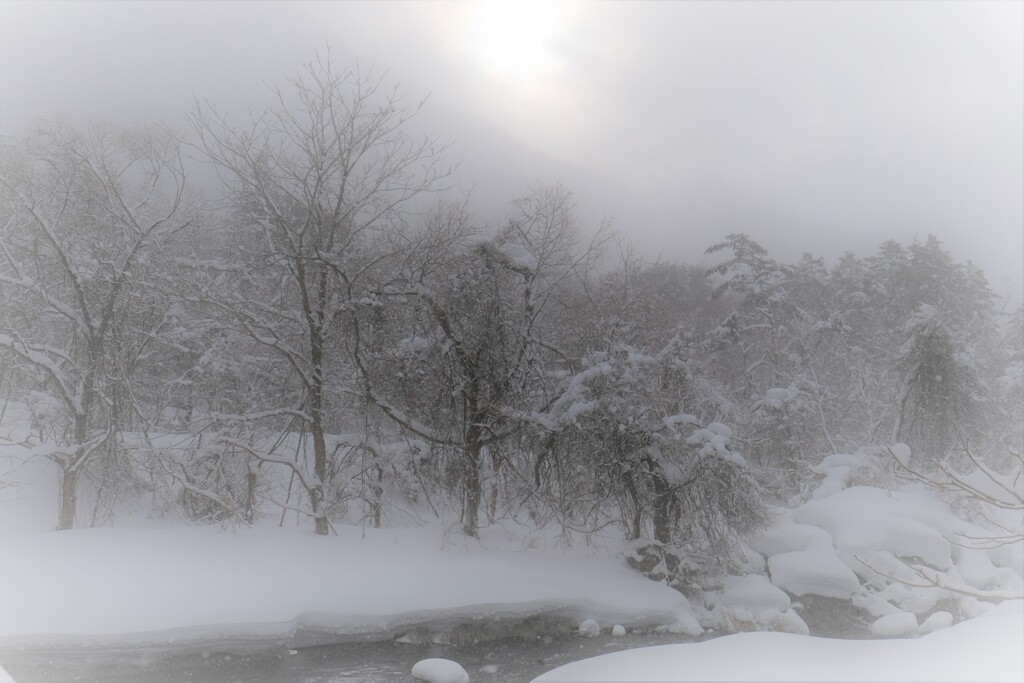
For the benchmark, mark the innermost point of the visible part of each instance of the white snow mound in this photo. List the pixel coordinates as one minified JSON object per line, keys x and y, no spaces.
{"x":437,"y":670}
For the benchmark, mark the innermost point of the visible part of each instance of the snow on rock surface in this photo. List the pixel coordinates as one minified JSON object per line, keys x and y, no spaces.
{"x":988,"y":648}
{"x":189,"y":584}
{"x":813,"y":572}
{"x":863,"y":543}
{"x":4,"y":677}
{"x":787,"y":536}
{"x":589,"y":628}
{"x":437,"y":670}
{"x":752,"y":603}
{"x":937,"y":621}
{"x":895,"y":625}
{"x":686,"y":623}
{"x":752,"y":591}
{"x":864,"y":519}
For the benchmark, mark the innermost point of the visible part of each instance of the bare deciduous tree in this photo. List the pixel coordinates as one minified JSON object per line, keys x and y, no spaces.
{"x":86,"y":213}
{"x":316,"y":180}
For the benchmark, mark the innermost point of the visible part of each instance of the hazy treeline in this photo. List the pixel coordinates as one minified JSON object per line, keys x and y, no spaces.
{"x":328,"y":334}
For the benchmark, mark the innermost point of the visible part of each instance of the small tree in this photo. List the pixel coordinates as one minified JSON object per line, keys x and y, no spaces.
{"x":939,"y":387}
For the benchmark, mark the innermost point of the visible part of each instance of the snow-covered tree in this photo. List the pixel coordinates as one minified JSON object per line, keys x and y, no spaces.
{"x":940,"y":390}
{"x":317,"y":182}
{"x":476,"y":341}
{"x":87,"y":214}
{"x":637,"y":431}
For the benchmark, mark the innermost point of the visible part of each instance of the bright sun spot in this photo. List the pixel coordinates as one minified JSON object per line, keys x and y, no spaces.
{"x":514,"y":40}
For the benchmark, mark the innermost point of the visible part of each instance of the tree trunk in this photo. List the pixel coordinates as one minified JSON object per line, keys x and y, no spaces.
{"x":378,"y":496}
{"x":316,"y":494}
{"x":492,"y":504}
{"x":68,"y":497}
{"x":471,"y":483}
{"x":637,"y":527}
{"x":662,"y":507}
{"x":316,"y":410}
{"x":69,"y":470}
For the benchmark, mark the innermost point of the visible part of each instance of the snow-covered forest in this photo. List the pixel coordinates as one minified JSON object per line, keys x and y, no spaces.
{"x":319,"y":335}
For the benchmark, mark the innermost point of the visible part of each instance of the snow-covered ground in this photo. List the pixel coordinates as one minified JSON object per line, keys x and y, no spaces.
{"x":988,"y":648}
{"x":180,"y":585}
{"x":146,"y":581}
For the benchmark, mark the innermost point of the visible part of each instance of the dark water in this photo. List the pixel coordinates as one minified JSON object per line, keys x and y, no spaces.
{"x":539,"y":645}
{"x":511,"y":660}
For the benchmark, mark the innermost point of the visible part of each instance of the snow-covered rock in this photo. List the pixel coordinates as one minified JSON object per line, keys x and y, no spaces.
{"x":589,"y":628}
{"x":618,"y":630}
{"x":437,"y":670}
{"x":752,"y":592}
{"x":786,"y":536}
{"x":895,"y":625}
{"x":936,"y":622}
{"x":813,"y":572}
{"x":863,"y":519}
{"x":685,"y":623}
{"x":752,"y":603}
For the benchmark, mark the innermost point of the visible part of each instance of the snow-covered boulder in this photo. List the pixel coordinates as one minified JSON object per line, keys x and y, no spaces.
{"x":753,"y":592}
{"x":752,"y":603}
{"x":815,"y":571}
{"x":589,"y":628}
{"x":437,"y":670}
{"x":618,"y":630}
{"x":786,"y":536}
{"x":895,"y":625}
{"x":864,"y":519}
{"x":936,"y":622}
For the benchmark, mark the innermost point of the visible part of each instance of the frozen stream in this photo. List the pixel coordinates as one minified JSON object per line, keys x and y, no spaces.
{"x":503,"y":661}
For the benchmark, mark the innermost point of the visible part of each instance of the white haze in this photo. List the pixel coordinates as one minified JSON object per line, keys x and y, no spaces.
{"x":816,"y":127}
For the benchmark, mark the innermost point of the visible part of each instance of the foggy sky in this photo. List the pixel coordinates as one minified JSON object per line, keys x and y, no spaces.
{"x":811,"y":126}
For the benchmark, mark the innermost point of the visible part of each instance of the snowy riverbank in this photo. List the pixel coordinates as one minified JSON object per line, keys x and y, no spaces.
{"x":267,"y":587}
{"x":855,"y":540}
{"x":987,"y":648}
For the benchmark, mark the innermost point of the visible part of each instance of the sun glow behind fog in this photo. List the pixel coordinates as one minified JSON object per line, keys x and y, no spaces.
{"x":527,"y":62}
{"x":515,"y":42}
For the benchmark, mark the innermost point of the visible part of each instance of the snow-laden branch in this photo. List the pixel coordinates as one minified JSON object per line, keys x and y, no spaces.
{"x":309,"y":483}
{"x":262,"y":415}
{"x":991,"y":488}
{"x":38,"y":356}
{"x":931,"y":578}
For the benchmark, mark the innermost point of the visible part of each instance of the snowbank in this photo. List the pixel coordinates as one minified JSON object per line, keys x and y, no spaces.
{"x":163,"y":586}
{"x":987,"y":648}
{"x":866,"y":543}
